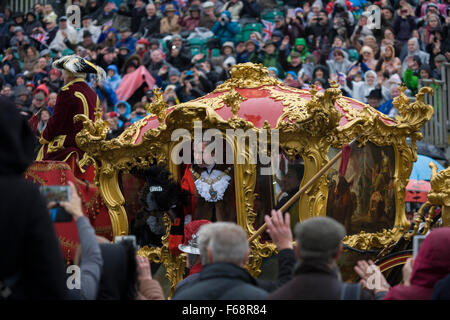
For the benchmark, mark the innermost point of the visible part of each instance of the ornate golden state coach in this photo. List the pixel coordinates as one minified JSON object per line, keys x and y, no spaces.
{"x":310,"y":128}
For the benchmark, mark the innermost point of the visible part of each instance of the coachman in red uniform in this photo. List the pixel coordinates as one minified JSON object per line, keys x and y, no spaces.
{"x":76,"y":97}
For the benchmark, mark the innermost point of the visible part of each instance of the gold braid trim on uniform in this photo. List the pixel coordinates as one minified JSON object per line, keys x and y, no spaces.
{"x":81,"y":96}
{"x":56,"y":144}
{"x":66,"y":87}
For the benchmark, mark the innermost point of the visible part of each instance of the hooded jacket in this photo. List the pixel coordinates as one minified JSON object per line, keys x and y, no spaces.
{"x":123,"y":118}
{"x":338,"y":67}
{"x":362,"y":89}
{"x":227,"y":31}
{"x":305,"y":52}
{"x":32,"y":263}
{"x":424,"y":56}
{"x":431,"y":265}
{"x":115,"y":80}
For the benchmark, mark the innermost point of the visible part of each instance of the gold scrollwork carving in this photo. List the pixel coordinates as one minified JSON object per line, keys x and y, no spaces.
{"x":174,"y":265}
{"x":439,"y":194}
{"x":233,"y":99}
{"x":248,"y":75}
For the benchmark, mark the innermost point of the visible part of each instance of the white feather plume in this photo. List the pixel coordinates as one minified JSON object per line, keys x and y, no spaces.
{"x":77,"y":65}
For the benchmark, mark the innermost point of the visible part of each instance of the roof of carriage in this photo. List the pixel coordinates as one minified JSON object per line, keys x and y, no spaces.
{"x":262,"y":98}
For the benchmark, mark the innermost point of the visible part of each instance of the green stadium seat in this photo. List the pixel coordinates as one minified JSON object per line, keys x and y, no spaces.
{"x":270,"y":16}
{"x":248,"y":29}
{"x":197,"y":42}
{"x":195,"y":50}
{"x":215,"y":52}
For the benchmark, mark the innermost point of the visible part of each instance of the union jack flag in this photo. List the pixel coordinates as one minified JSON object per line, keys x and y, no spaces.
{"x":40,"y":37}
{"x":268,"y":29}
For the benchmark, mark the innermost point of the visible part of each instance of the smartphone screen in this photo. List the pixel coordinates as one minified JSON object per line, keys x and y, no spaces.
{"x":56,"y":193}
{"x":290,"y":13}
{"x":417,"y":242}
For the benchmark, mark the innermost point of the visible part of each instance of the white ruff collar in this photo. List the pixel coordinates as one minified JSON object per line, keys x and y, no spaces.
{"x":212,"y":192}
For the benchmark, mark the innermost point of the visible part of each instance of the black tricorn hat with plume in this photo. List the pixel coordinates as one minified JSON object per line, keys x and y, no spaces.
{"x":77,"y":65}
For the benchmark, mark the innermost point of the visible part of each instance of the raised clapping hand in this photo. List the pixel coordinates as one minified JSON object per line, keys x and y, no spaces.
{"x":407,"y":271}
{"x":279,"y":229}
{"x":371,"y":276}
{"x":143,"y":268}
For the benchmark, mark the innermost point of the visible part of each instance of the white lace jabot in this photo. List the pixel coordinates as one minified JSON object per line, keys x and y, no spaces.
{"x":207,"y":191}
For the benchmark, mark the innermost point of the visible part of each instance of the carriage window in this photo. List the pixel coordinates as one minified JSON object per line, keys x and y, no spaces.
{"x":363,"y":199}
{"x":207,"y":174}
{"x":273,"y":191}
{"x":143,"y":221}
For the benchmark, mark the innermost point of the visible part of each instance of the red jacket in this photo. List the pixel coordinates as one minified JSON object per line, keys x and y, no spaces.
{"x":58,"y":138}
{"x":431,"y":265}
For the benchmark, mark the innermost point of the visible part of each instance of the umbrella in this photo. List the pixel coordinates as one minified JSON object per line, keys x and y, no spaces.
{"x":429,"y":150}
{"x":132,"y":81}
{"x":421,"y":170}
{"x":417,"y":190}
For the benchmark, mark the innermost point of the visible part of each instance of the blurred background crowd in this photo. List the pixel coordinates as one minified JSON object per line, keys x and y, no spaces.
{"x":187,"y":48}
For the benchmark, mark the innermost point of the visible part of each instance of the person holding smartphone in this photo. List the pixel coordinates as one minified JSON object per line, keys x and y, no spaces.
{"x":403,"y":25}
{"x":89,"y":257}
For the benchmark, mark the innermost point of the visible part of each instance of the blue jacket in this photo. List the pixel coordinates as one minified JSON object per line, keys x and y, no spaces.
{"x":226,"y":32}
{"x":116,"y":79}
{"x":106,"y":92}
{"x":137,"y":118}
{"x":103,"y":35}
{"x":386,"y":107}
{"x":126,"y":115}
{"x":130,"y":42}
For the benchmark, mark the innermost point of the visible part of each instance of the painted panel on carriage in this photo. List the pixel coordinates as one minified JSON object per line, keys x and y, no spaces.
{"x":363,"y":199}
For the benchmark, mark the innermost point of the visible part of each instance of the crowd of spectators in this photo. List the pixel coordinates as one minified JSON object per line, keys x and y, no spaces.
{"x":188,"y":47}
